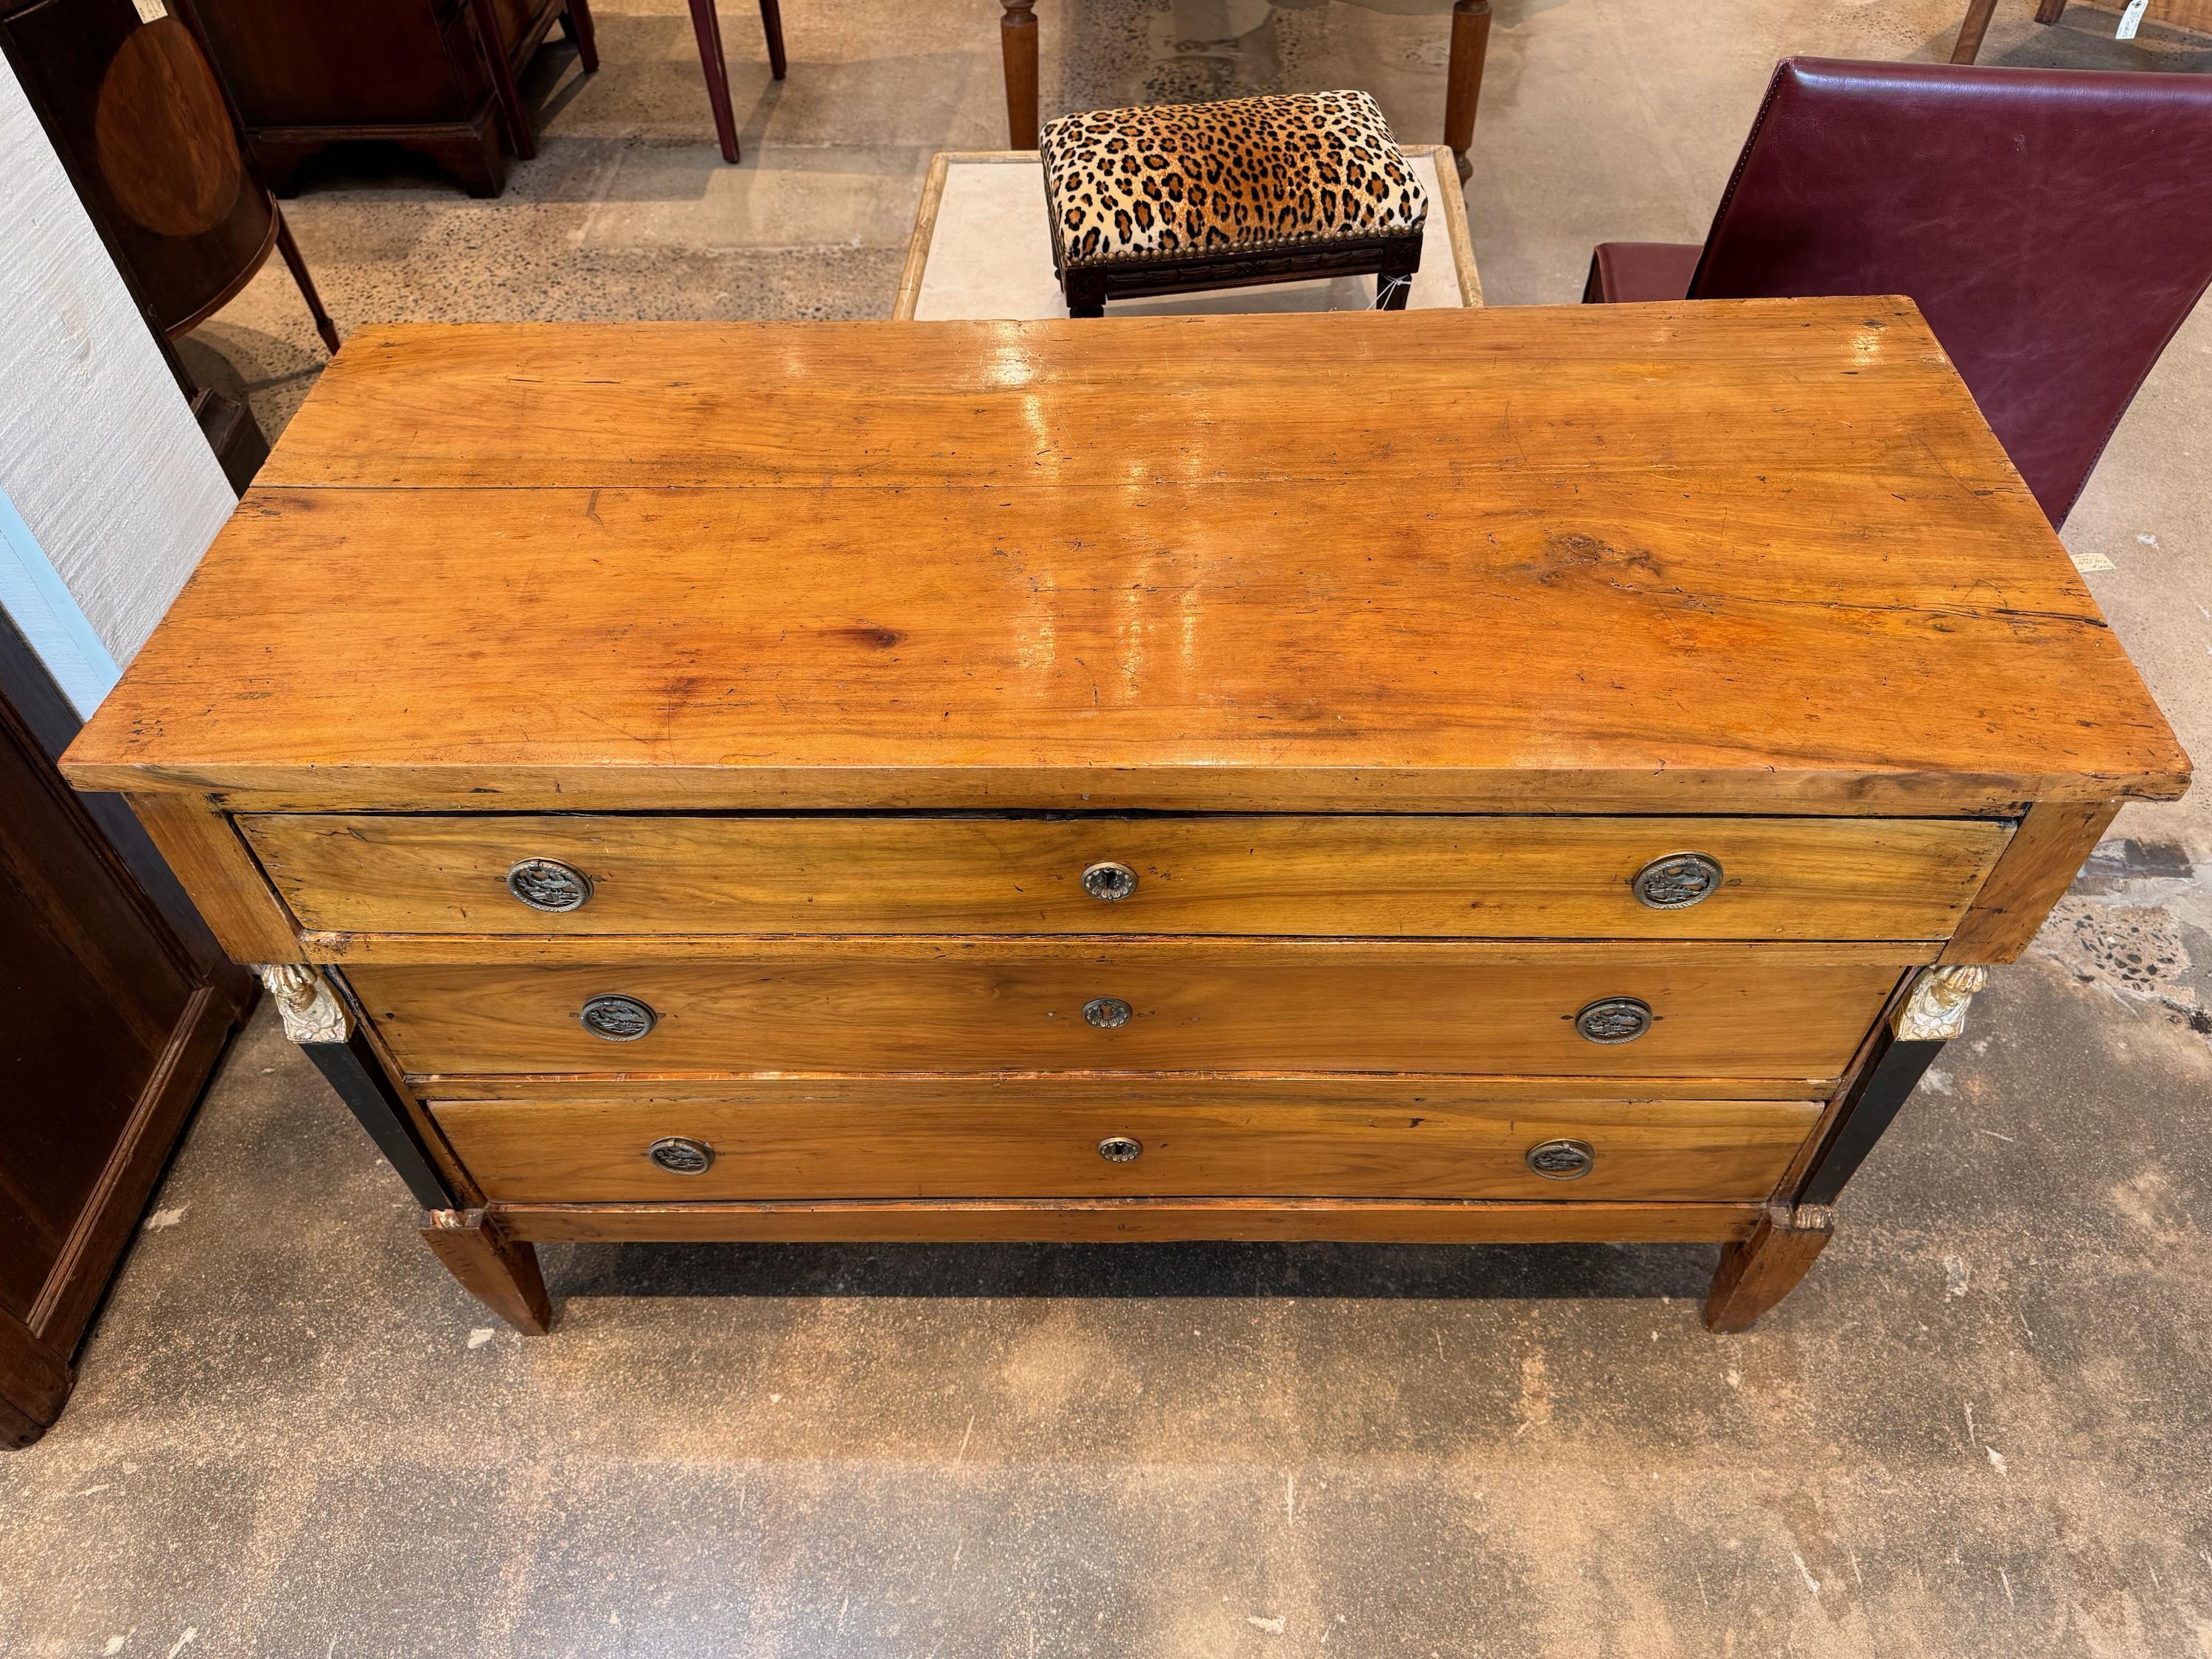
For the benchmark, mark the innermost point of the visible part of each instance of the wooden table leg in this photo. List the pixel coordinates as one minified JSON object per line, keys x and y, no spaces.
{"x":772,"y":26}
{"x":498,"y":1271}
{"x":1974,"y":26}
{"x":1018,"y":49}
{"x":708,"y":28}
{"x":2050,"y":11}
{"x":511,"y":115}
{"x":298,"y":267}
{"x":576,"y":18}
{"x":1470,"y":47}
{"x":1761,"y":1270}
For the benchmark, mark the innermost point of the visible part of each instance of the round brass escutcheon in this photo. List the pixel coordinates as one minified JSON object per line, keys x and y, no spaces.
{"x":1614,"y":1019}
{"x":1677,"y":881}
{"x":681,"y":1155}
{"x":1120,"y":1148}
{"x":1107,"y":1013}
{"x":617,"y":1019}
{"x":1109,"y":881}
{"x":548,"y":884}
{"x":1561,"y":1160}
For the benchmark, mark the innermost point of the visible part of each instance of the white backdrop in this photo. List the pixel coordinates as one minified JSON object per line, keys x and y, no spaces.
{"x":108,"y":494}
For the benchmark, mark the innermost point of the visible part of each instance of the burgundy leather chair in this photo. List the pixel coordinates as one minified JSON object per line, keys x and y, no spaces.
{"x":2054,"y":226}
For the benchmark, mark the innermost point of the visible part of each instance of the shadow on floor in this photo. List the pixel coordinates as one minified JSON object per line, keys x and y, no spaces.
{"x":1457,"y":1271}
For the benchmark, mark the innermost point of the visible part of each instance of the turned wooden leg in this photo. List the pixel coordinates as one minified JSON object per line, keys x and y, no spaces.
{"x":511,"y":115}
{"x":498,"y":1271}
{"x":708,"y":28}
{"x":577,"y":19}
{"x":1086,"y":293}
{"x":1017,"y":51}
{"x":772,"y":26}
{"x":298,"y":267}
{"x":1470,"y":47}
{"x":1972,"y":29}
{"x":1759,"y":1272}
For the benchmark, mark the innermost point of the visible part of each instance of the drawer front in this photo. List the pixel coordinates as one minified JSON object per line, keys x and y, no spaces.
{"x":1850,"y":878}
{"x":1052,"y":1145}
{"x":1713,"y":1010}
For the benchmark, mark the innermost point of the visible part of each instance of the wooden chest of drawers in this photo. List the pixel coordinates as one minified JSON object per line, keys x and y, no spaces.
{"x":1517,"y":775}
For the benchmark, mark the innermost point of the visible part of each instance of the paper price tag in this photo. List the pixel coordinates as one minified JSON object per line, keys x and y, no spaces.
{"x":2131,"y":19}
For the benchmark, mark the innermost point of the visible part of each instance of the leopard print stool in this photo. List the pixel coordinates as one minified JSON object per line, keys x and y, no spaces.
{"x":1172,"y":198}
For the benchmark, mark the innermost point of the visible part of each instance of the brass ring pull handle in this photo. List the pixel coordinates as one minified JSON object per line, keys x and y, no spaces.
{"x":617,"y":1019}
{"x":681,"y":1155}
{"x":1677,"y":881}
{"x":1106,"y":1012}
{"x":1614,"y":1019}
{"x":1561,"y":1160}
{"x":548,"y":884}
{"x":1109,"y":882}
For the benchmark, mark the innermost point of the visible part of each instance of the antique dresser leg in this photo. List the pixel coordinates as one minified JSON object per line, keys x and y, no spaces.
{"x":1761,"y":1270}
{"x":1764,"y":1268}
{"x":499,"y":1271}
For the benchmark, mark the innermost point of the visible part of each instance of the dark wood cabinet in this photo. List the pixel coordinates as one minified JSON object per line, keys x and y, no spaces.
{"x":114,"y":1006}
{"x":413,"y":72}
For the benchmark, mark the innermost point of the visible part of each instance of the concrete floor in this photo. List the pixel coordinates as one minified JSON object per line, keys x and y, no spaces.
{"x":1981,"y":1427}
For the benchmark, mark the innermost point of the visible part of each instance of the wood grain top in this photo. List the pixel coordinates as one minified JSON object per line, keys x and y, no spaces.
{"x":1726,"y":556}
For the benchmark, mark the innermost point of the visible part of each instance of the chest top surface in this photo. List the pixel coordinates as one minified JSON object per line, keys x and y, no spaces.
{"x":1740,"y":555}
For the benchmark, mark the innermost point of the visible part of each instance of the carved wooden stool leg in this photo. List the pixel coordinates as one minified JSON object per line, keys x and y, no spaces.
{"x":772,"y":26}
{"x":1470,"y":45}
{"x":504,"y":91}
{"x":298,"y":267}
{"x":1975,"y":25}
{"x":708,"y":28}
{"x":1017,"y":51}
{"x":577,"y":19}
{"x":1761,"y":1270}
{"x":496,"y":1270}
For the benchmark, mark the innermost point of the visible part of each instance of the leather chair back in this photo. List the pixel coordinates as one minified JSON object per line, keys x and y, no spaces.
{"x":2054,"y":226}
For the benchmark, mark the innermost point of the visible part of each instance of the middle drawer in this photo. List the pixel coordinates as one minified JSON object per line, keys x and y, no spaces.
{"x":1437,"y":877}
{"x":1669,"y":1010}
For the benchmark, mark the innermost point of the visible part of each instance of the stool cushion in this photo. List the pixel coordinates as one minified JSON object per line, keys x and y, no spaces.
{"x":1245,"y":174}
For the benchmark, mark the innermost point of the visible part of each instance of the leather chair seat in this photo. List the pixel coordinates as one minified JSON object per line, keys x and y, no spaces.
{"x":1627,"y":273}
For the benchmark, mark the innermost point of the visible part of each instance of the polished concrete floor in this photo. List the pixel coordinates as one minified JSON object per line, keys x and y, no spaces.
{"x":1982,"y":1427}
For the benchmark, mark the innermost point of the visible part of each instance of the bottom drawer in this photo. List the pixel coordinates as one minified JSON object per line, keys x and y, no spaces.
{"x":935,"y":1140}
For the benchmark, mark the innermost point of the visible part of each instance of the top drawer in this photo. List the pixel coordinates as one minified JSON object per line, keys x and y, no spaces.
{"x":1409,"y":877}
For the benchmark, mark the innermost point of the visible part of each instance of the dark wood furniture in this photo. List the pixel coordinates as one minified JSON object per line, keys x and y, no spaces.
{"x":418,"y":73}
{"x":114,"y":1006}
{"x":1515,"y":775}
{"x":1470,"y":47}
{"x":2195,"y":15}
{"x":154,"y":153}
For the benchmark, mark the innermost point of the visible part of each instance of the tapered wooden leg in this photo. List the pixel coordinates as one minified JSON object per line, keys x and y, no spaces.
{"x":1972,"y":29}
{"x":708,"y":28}
{"x":2050,"y":11}
{"x":772,"y":26}
{"x":298,"y":267}
{"x":1018,"y":50}
{"x":1760,"y":1271}
{"x":577,"y":19}
{"x":1470,"y":47}
{"x":498,"y":1271}
{"x":505,"y":93}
